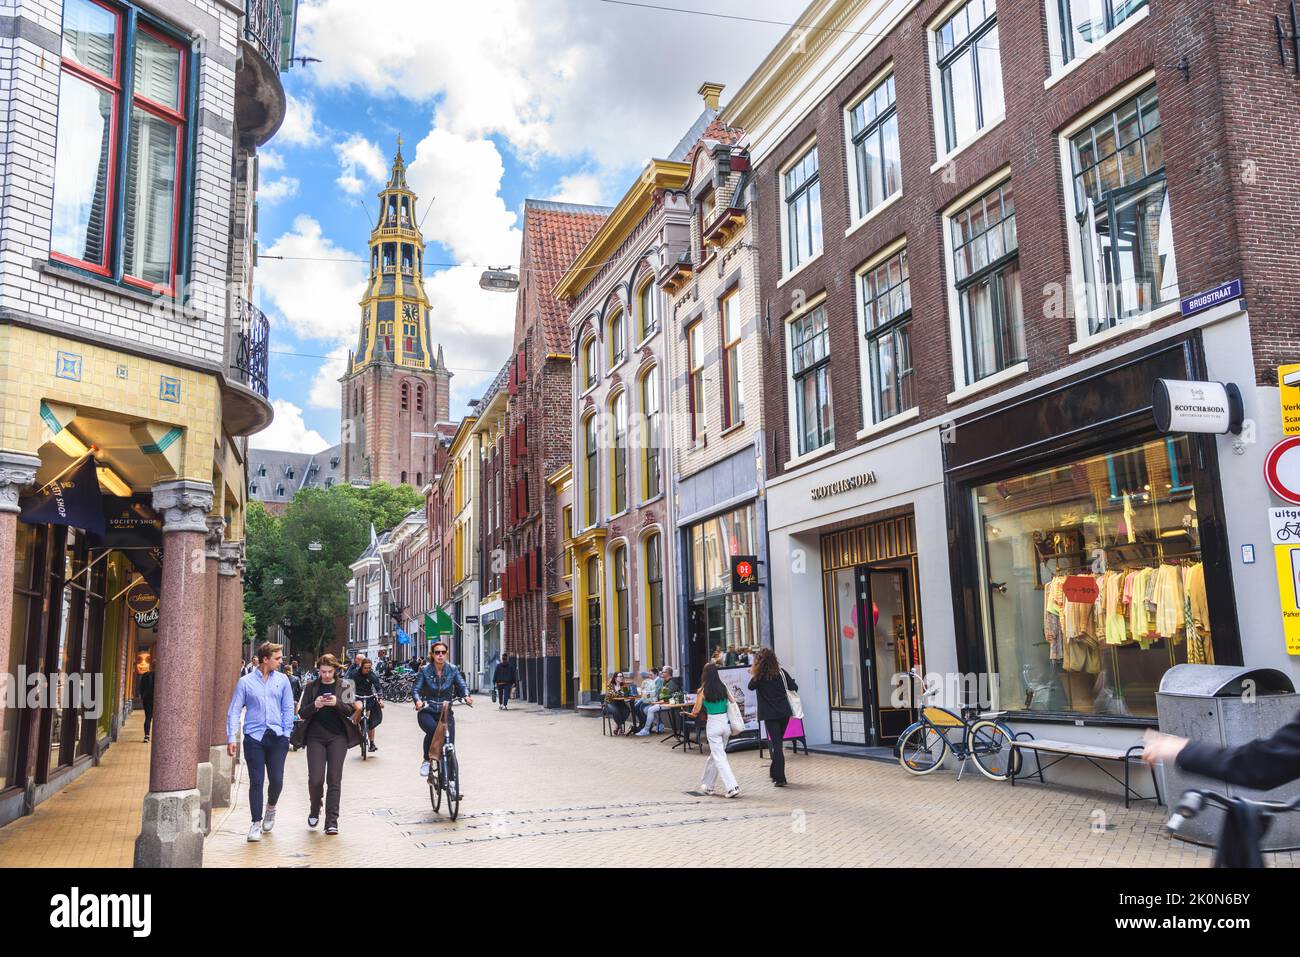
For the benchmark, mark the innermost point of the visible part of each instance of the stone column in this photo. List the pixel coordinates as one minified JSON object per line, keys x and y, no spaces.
{"x":206,"y":673}
{"x":229,"y":652}
{"x":171,"y":832}
{"x":16,"y":472}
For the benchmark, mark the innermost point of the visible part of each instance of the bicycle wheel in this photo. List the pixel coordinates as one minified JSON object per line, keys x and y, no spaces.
{"x":990,"y":745}
{"x":921,"y":749}
{"x":435,"y":788}
{"x":452,"y":772}
{"x":365,"y":739}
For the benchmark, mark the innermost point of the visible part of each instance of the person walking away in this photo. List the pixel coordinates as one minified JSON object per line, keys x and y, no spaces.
{"x":367,"y":682}
{"x":146,"y":699}
{"x":330,"y":709}
{"x":504,"y":678}
{"x":772,"y":683}
{"x":435,"y":683}
{"x":353,"y":668}
{"x":295,"y":683}
{"x":266,"y":701}
{"x":713,"y":698}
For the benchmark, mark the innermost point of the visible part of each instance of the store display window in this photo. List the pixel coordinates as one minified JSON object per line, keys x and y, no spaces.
{"x":1091,"y":579}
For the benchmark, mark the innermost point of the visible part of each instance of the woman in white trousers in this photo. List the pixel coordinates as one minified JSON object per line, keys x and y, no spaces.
{"x":713,"y":698}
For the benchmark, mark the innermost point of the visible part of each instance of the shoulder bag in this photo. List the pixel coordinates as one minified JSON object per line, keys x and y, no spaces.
{"x":734,"y":717}
{"x":796,"y":706}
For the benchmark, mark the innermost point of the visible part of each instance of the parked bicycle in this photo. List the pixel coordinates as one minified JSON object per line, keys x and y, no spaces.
{"x":983,"y":736}
{"x":1193,"y":803}
{"x":444,"y":774}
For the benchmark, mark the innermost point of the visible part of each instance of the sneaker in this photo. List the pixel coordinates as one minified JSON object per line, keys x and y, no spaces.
{"x":268,"y":820}
{"x":734,"y":792}
{"x":424,"y":769}
{"x":146,"y":739}
{"x":373,"y":748}
{"x":255,"y":832}
{"x":779,"y":784}
{"x":643,"y":733}
{"x":313,"y":820}
{"x":331,"y":828}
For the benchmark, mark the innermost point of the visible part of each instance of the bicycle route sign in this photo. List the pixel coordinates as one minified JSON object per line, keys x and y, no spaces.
{"x":1284,"y":525}
{"x":1284,"y":530}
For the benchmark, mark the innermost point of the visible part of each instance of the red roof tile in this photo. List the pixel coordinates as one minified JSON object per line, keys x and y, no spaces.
{"x":554,"y":235}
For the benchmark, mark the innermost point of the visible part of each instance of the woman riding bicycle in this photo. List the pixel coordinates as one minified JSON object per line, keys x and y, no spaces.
{"x":437,"y":682}
{"x":367,"y":682}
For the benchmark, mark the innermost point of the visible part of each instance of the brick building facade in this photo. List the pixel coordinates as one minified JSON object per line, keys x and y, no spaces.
{"x":537,"y":442}
{"x":976,"y":225}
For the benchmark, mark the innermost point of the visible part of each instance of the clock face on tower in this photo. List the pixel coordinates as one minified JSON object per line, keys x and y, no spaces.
{"x":410,"y":312}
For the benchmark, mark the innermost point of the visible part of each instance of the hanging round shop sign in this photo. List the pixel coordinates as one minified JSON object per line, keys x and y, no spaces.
{"x":143,"y":604}
{"x":1282,"y":470}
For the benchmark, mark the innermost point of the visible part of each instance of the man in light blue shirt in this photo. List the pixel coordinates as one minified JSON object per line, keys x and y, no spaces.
{"x":266,"y":699}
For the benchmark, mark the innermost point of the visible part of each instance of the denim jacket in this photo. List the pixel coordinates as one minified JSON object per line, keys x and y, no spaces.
{"x":429,"y":687}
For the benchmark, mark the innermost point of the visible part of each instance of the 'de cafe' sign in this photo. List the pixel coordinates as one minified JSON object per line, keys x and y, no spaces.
{"x":142,"y":600}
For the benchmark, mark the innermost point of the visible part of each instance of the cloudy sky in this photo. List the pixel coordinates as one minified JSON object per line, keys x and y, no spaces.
{"x":496,"y":101}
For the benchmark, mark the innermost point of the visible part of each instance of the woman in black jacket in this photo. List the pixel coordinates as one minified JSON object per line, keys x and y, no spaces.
{"x":329,"y":706}
{"x":766,"y":676}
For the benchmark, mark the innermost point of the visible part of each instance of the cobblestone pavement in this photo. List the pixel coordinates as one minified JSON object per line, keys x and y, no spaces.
{"x":546,"y":788}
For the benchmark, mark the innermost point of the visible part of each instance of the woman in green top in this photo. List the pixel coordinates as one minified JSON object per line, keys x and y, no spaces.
{"x":713,"y":698}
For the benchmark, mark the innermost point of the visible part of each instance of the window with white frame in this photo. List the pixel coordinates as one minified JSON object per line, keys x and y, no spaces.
{"x":650,"y":440}
{"x":695,"y":378}
{"x":810,"y":355}
{"x":733,"y":398}
{"x":589,"y":363}
{"x":986,"y":273}
{"x":1085,"y":23}
{"x":1121,"y":205}
{"x":887,"y":324}
{"x":970,"y":72}
{"x":617,"y":337}
{"x":803,"y":211}
{"x":646,"y":310}
{"x":590,"y":446}
{"x":877,"y":163}
{"x":618,"y":454}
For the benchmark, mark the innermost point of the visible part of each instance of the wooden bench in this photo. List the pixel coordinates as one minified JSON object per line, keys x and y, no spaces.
{"x":1092,"y":753}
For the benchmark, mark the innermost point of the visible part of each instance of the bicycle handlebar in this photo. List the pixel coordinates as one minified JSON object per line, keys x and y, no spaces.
{"x":1193,"y":802}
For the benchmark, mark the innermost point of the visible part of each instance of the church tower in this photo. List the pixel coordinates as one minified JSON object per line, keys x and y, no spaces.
{"x":396,"y":386}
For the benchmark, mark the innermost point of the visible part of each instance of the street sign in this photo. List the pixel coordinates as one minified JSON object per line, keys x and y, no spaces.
{"x":1284,"y":526}
{"x":1288,"y":588}
{"x":1288,"y":393}
{"x":1282,"y":470}
{"x":471,"y":619}
{"x":1224,"y":292}
{"x":1181,"y":405}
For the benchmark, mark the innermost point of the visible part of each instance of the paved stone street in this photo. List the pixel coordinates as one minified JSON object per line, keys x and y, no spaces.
{"x":546,"y":788}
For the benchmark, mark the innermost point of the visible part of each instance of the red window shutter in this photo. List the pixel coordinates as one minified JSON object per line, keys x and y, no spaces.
{"x":532,"y":571}
{"x":523,"y":366}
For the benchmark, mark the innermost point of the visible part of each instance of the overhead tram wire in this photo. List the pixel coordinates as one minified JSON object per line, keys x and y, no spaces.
{"x":1056,"y":56}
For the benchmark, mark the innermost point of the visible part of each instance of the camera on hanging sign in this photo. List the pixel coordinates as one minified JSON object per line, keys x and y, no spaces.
{"x":1180,"y":405}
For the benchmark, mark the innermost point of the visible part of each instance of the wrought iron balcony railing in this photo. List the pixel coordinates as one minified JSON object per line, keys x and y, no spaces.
{"x":253,"y":346}
{"x":263,"y":26}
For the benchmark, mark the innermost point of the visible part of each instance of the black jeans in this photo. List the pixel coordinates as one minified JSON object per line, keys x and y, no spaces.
{"x":148,"y":715}
{"x":326,"y":753}
{"x":428,"y":719}
{"x":265,"y":760}
{"x":776,"y":738}
{"x":503,"y":695}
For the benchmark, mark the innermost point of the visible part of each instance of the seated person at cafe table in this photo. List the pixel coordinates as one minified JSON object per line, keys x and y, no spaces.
{"x":668,"y":688}
{"x":647,"y":694}
{"x":617,"y":708}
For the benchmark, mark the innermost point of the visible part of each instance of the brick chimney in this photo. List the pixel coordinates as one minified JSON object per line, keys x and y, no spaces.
{"x":711,"y":92}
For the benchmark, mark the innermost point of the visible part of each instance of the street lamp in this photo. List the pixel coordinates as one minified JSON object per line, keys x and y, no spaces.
{"x":498,"y":279}
{"x":315,"y":547}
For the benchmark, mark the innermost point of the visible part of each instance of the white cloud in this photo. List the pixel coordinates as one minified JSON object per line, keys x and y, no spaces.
{"x":299,"y":126}
{"x":361,"y":164}
{"x":269,"y":160}
{"x":318,"y":288}
{"x":586,"y":188}
{"x":288,"y":432}
{"x":275,"y":190}
{"x":325,"y":390}
{"x":458,"y":181}
{"x":550,"y":76}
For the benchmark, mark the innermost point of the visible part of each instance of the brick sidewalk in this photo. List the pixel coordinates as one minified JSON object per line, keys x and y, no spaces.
{"x":545,"y":788}
{"x":94,"y":821}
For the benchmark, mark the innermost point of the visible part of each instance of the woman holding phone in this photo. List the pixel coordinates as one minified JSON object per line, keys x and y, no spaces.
{"x":330,"y":708}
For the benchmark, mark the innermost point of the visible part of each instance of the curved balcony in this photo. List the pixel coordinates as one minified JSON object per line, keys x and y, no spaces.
{"x":260,"y":101}
{"x":245,"y":408}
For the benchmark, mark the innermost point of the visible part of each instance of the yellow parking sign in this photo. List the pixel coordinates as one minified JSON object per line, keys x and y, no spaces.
{"x":1288,"y":383}
{"x":1288,"y":586}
